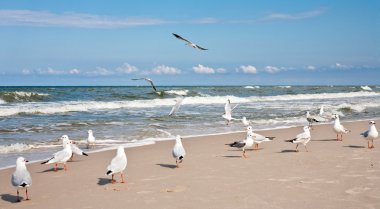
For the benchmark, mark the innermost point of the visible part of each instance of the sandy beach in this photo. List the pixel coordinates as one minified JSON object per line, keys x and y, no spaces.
{"x":331,"y":175}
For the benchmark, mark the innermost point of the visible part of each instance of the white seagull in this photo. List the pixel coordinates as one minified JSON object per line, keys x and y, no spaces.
{"x":118,"y":164}
{"x":178,"y":151}
{"x":90,"y":139}
{"x":61,"y":156}
{"x":311,"y":119}
{"x":325,"y":115}
{"x":228,"y":112}
{"x":302,"y":138}
{"x":257,"y":138}
{"x":339,"y":128}
{"x":189,"y":43}
{"x":244,"y":144}
{"x":21,"y":178}
{"x":76,"y":150}
{"x":245,"y":121}
{"x":149,"y":81}
{"x":178,"y":103}
{"x":371,"y":134}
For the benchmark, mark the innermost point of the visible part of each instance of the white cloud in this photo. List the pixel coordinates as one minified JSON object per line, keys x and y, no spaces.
{"x":126,"y":68}
{"x":77,"y":20}
{"x":248,"y":69}
{"x":341,"y":66}
{"x":162,"y":69}
{"x":311,"y":67}
{"x":27,"y":72}
{"x":272,"y":69}
{"x":74,"y":71}
{"x":101,"y":71}
{"x":295,"y":16}
{"x":207,"y":70}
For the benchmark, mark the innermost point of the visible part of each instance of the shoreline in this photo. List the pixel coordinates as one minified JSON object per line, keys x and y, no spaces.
{"x":152,"y":141}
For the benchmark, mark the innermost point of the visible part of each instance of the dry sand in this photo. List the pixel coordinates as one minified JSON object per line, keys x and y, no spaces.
{"x":331,"y":175}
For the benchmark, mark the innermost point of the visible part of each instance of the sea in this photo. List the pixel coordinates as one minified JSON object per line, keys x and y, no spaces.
{"x":32,"y":119}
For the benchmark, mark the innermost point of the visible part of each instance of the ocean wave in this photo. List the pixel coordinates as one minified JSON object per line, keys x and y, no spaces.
{"x":178,"y":92}
{"x":285,"y":87}
{"x":20,"y":96}
{"x":2,"y":101}
{"x":18,"y":147}
{"x":84,"y":106}
{"x":366,"y":88}
{"x":251,"y":87}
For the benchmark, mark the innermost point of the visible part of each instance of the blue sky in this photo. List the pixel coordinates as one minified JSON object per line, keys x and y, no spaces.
{"x":250,"y":42}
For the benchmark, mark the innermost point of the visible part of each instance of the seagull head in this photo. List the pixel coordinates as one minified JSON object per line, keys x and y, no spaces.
{"x":120,"y":150}
{"x":89,"y":131}
{"x":65,"y":140}
{"x":306,"y":128}
{"x":178,"y":138}
{"x":336,"y":116}
{"x":372,"y":122}
{"x":21,"y":161}
{"x":249,"y":128}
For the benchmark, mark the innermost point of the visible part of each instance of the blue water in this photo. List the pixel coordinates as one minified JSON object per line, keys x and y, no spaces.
{"x":33,"y":118}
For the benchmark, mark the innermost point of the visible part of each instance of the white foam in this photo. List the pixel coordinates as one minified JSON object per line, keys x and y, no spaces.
{"x":366,"y":88}
{"x":251,"y":87}
{"x":178,"y":92}
{"x":285,"y":87}
{"x":18,"y":147}
{"x":2,"y":101}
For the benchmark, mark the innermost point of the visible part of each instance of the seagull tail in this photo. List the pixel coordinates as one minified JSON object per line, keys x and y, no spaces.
{"x":180,"y":157}
{"x":46,"y":161}
{"x":83,"y":153}
{"x":290,"y":140}
{"x":270,"y":137}
{"x":109,"y":172}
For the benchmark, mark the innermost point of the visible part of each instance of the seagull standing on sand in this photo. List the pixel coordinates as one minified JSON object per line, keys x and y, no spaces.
{"x":302,"y":138}
{"x":90,"y":139}
{"x":178,"y":151}
{"x":257,"y":138}
{"x":371,"y":134}
{"x":61,"y":156}
{"x":339,"y":128}
{"x":228,"y":112}
{"x":76,"y":150}
{"x":21,"y":178}
{"x":310,"y":119}
{"x":178,"y":103}
{"x":244,"y":144}
{"x":118,"y":164}
{"x":149,"y":81}
{"x":189,"y":43}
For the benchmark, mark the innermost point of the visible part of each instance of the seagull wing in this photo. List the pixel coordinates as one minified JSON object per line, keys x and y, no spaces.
{"x":179,"y":37}
{"x":201,"y":48}
{"x":176,"y":106}
{"x":151,"y":83}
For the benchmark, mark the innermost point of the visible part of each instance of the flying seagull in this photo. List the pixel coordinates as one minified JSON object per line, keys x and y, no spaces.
{"x":228,"y":112}
{"x":189,"y":43}
{"x":148,"y":80}
{"x":21,"y":177}
{"x":178,"y":103}
{"x":371,"y":134}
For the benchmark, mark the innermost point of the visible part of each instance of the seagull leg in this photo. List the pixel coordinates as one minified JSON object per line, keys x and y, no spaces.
{"x":245,"y":156}
{"x":368,"y":144}
{"x":112,"y":181}
{"x":306,"y":149}
{"x":341,"y":137}
{"x":337,"y":137}
{"x":71,"y":158}
{"x":122,"y":177}
{"x":18,"y":197}
{"x":26,"y":193}
{"x":176,"y":162}
{"x":297,"y":148}
{"x":65,"y":167}
{"x":372,"y":146}
{"x":55,"y":167}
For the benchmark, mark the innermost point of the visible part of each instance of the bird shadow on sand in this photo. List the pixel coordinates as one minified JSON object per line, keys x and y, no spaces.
{"x":232,"y":156}
{"x":167,"y":165}
{"x":355,"y":146}
{"x":51,"y":170}
{"x":325,"y":140}
{"x":10,"y":198}
{"x":104,"y":181}
{"x":287,"y":150}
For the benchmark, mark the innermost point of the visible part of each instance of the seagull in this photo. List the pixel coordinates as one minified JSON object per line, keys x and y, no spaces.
{"x":90,"y":139}
{"x":118,"y":164}
{"x":76,"y":150}
{"x":371,"y":134}
{"x":302,"y":138}
{"x":21,"y":177}
{"x":311,"y":119}
{"x":178,"y":151}
{"x":61,"y":156}
{"x":339,"y":128}
{"x":228,"y":112}
{"x":245,"y":121}
{"x":325,"y":115}
{"x":246,"y":143}
{"x":257,"y":138}
{"x":189,"y":43}
{"x":178,"y":103}
{"x":148,"y":80}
